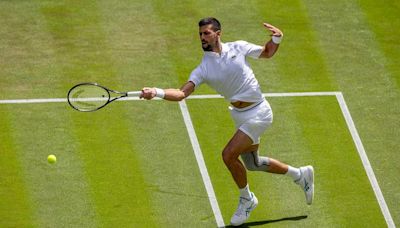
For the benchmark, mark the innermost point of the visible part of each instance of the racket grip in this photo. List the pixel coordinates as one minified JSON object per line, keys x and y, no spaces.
{"x":134,"y":93}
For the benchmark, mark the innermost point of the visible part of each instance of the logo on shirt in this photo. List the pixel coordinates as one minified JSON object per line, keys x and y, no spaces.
{"x":233,"y":57}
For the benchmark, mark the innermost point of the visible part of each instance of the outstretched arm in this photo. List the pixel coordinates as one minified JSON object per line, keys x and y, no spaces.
{"x":168,"y":94}
{"x":271,"y":46}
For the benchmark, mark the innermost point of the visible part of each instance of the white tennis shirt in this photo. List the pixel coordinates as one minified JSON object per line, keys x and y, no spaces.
{"x":229,"y":73}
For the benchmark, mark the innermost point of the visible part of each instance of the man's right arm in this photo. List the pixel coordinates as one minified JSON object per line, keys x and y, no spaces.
{"x":168,"y":94}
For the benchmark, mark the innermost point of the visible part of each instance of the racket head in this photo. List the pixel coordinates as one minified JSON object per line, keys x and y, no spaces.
{"x":88,"y":97}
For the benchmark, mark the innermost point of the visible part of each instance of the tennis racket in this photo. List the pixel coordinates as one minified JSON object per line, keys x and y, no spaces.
{"x":89,"y":96}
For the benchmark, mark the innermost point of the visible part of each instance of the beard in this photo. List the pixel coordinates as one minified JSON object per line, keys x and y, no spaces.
{"x":206,"y":47}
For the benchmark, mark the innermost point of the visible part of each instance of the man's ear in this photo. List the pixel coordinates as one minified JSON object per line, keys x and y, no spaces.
{"x":218,"y":32}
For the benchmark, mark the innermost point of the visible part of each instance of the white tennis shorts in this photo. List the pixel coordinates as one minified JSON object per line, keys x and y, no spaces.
{"x":253,"y":120}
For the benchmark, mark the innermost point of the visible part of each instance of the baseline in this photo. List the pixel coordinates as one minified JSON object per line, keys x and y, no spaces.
{"x":206,"y":96}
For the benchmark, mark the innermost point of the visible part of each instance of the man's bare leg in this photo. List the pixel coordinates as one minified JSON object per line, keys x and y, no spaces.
{"x":239,"y":143}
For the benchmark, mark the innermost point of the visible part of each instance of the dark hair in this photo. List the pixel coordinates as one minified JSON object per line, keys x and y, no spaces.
{"x":210,"y":20}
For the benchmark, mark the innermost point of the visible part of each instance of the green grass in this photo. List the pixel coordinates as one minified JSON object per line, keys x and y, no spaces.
{"x":331,"y":149}
{"x":15,"y":207}
{"x":131,"y":164}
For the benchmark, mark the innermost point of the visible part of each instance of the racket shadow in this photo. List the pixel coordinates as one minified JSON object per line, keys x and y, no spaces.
{"x":259,"y":223}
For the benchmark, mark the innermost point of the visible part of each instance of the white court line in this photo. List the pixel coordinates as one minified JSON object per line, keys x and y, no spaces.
{"x":344,"y":109}
{"x":30,"y":101}
{"x":356,"y":139}
{"x":206,"y":96}
{"x":365,"y":161}
{"x":202,"y":165}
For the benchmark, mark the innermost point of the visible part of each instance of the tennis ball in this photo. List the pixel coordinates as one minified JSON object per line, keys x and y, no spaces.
{"x":51,"y":159}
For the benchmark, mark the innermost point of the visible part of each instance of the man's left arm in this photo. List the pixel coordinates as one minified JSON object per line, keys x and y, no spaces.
{"x":271,"y":46}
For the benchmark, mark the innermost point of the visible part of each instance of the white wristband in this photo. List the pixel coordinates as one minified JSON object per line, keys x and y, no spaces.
{"x":277,"y":39}
{"x":160,"y":93}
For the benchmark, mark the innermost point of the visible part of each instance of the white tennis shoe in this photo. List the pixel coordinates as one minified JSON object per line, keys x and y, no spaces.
{"x":243,"y":211}
{"x":306,"y":182}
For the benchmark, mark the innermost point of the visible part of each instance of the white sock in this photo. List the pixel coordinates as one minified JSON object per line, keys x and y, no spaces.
{"x":294,"y":173}
{"x":245,"y":192}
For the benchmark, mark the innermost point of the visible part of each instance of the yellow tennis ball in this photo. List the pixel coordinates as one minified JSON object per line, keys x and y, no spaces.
{"x":51,"y":159}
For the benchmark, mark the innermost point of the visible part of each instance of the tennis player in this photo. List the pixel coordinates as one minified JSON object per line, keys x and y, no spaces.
{"x":225,"y":69}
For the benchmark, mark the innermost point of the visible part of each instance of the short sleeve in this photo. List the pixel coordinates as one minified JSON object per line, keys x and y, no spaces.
{"x":251,"y":50}
{"x":197,"y":76}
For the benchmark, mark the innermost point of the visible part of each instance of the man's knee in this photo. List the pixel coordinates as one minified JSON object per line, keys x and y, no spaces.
{"x":229,"y":155}
{"x":253,"y":162}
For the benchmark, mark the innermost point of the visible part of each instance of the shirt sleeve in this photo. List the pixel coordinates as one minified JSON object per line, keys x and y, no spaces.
{"x":251,"y":50}
{"x":197,"y":76}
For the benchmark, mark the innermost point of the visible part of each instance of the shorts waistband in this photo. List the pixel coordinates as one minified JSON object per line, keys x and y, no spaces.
{"x":248,"y":107}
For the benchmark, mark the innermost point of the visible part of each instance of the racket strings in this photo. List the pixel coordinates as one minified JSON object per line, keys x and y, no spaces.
{"x":88,"y":97}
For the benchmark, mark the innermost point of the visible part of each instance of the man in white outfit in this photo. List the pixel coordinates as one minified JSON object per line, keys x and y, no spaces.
{"x":225,"y":69}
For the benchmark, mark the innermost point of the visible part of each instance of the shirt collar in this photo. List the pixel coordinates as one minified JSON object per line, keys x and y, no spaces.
{"x":225,"y":49}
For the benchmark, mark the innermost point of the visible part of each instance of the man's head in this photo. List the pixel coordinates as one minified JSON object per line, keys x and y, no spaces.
{"x":210,"y":32}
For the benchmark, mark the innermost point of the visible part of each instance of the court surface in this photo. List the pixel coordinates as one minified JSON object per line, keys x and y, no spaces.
{"x":138,"y":164}
{"x":144,"y":166}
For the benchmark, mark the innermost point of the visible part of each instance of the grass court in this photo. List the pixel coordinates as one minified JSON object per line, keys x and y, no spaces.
{"x":132,"y":164}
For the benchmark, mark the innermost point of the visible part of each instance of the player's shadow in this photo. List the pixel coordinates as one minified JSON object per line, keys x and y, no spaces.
{"x":259,"y":223}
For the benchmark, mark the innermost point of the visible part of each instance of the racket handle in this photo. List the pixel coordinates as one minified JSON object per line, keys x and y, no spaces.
{"x":134,"y":93}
